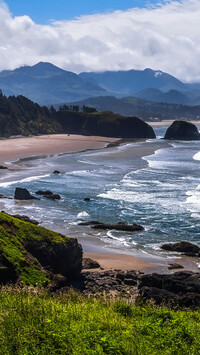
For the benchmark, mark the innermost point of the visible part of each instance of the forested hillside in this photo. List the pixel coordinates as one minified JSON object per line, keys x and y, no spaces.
{"x":20,"y":116}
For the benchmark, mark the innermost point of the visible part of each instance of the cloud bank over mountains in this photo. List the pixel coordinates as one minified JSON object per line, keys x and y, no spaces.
{"x":164,"y":37}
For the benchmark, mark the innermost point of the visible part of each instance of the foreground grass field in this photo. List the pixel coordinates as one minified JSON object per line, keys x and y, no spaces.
{"x":35,"y":322}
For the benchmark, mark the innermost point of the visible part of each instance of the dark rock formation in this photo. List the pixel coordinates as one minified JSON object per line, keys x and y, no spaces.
{"x":186,"y":248}
{"x":115,"y":282}
{"x":181,"y":289}
{"x":33,"y":255}
{"x":44,"y":192}
{"x":56,"y":172}
{"x":23,"y":194}
{"x":53,"y":196}
{"x":121,"y":226}
{"x":106,"y":124}
{"x":3,"y":167}
{"x":173,"y":266}
{"x":58,"y":258}
{"x":26,"y":219}
{"x":48,"y":194}
{"x":90,"y":264}
{"x":182,"y":130}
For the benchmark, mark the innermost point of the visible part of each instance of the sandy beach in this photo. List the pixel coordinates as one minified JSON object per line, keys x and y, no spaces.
{"x":110,"y":261}
{"x":16,"y":148}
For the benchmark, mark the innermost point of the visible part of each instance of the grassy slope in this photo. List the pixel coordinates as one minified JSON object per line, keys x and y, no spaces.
{"x":14,"y":258}
{"x":34,"y":322}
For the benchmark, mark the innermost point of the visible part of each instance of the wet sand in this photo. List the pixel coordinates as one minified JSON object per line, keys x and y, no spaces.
{"x":110,"y":261}
{"x":16,"y":148}
{"x":19,"y":148}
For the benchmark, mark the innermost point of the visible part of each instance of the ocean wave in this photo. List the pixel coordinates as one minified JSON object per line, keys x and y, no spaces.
{"x":196,"y":156}
{"x":21,"y":181}
{"x":82,"y":214}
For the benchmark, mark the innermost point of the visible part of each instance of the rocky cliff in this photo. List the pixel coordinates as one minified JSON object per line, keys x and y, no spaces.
{"x":33,"y":255}
{"x":105,"y":124}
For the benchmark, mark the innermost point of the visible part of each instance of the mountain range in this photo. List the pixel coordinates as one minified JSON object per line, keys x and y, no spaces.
{"x":47,"y":84}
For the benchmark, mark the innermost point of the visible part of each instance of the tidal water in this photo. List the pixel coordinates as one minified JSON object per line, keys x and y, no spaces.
{"x":161,"y":191}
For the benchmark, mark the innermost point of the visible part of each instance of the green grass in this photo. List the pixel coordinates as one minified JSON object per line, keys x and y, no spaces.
{"x":35,"y":322}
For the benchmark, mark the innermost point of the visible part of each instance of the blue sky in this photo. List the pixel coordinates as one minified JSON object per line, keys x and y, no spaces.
{"x":41,"y":11}
{"x":157,"y":34}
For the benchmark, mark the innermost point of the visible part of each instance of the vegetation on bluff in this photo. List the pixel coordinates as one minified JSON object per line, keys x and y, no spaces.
{"x":29,"y":254}
{"x":33,"y":321}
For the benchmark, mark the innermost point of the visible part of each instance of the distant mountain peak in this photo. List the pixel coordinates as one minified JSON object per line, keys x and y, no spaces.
{"x":158,"y":73}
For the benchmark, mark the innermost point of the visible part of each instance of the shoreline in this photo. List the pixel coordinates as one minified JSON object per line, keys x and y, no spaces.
{"x":13,"y":149}
{"x":47,"y":145}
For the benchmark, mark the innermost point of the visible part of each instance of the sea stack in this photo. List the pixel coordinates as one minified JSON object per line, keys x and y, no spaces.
{"x":182,"y":130}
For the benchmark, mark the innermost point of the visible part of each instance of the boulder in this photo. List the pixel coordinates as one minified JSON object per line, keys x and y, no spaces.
{"x":179,"y":289}
{"x":48,"y":194}
{"x":57,"y":172}
{"x":184,"y":247}
{"x":23,"y":194}
{"x":117,"y":283}
{"x":173,"y":266}
{"x":121,"y":226}
{"x":90,"y":264}
{"x":53,"y":196}
{"x":33,"y":255}
{"x":26,"y":219}
{"x":44,"y":192}
{"x":3,"y":167}
{"x":182,"y":130}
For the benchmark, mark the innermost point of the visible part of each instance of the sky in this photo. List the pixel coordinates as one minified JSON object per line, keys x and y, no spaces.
{"x":88,"y":35}
{"x":43,"y":11}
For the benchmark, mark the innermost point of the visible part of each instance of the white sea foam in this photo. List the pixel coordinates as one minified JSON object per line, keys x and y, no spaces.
{"x":196,"y":156}
{"x":28,"y":179}
{"x":80,"y":173}
{"x":82,"y":214}
{"x":115,"y":194}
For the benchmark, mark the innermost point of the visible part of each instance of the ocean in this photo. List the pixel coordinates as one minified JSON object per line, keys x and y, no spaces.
{"x":160,"y":191}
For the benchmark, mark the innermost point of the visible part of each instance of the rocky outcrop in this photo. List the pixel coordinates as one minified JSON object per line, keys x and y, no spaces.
{"x":48,"y":194}
{"x":184,"y":247}
{"x":23,"y":194}
{"x":180,"y":289}
{"x":3,"y":167}
{"x":121,"y":226}
{"x":63,"y":258}
{"x":182,"y":130}
{"x":173,"y":266}
{"x":89,"y":264}
{"x":32,"y":255}
{"x":112,"y":282}
{"x":106,"y":124}
{"x":26,"y":219}
{"x":56,"y":172}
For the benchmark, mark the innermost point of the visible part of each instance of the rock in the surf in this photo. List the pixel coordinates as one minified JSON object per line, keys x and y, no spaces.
{"x":184,"y":247}
{"x":23,"y":194}
{"x":121,"y":226}
{"x":182,"y":130}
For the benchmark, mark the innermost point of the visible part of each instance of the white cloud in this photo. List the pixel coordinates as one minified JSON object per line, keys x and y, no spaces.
{"x":166,"y":37}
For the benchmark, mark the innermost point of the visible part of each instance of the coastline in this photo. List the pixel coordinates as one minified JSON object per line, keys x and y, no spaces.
{"x":48,"y":145}
{"x":13,"y":149}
